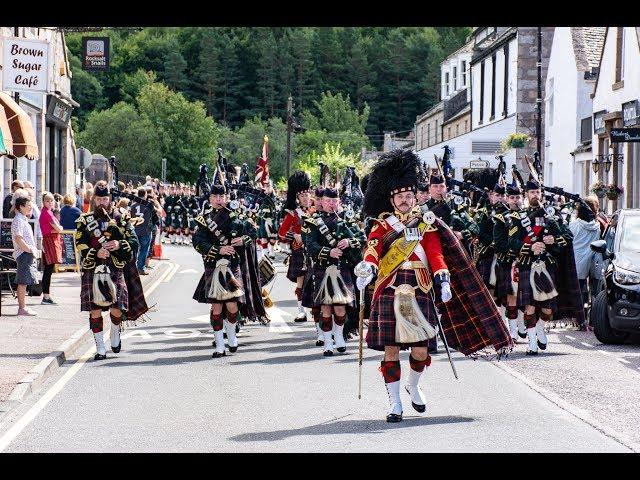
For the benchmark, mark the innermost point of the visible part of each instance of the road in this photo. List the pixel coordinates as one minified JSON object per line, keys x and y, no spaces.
{"x":277,"y":393}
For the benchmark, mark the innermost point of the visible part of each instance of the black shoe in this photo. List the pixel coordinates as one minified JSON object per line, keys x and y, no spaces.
{"x":531,"y":352}
{"x":522,"y":335}
{"x":48,"y":301}
{"x":394,"y":418}
{"x":319,"y":343}
{"x":117,"y":349}
{"x":98,"y":356}
{"x":218,"y":354}
{"x":300,"y":318}
{"x":416,"y":407}
{"x":327,"y":353}
{"x":542,"y":346}
{"x":342,"y":349}
{"x":233,"y":349}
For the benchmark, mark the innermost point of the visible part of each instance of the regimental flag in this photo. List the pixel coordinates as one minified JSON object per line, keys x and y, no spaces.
{"x":262,"y":167}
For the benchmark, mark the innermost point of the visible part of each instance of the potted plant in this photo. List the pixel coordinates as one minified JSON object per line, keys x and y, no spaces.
{"x":600,"y":189}
{"x":514,"y":140}
{"x":614,"y":191}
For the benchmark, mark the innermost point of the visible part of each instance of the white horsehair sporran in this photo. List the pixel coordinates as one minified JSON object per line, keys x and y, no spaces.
{"x":224,"y":285}
{"x":411,"y":324}
{"x":333,"y":290}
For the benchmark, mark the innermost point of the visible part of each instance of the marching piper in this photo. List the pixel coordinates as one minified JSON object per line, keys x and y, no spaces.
{"x":411,"y":254}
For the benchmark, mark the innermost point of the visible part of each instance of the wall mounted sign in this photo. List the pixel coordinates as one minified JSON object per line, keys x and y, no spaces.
{"x":95,"y":54}
{"x":630,"y":113}
{"x":25,"y":65}
{"x":598,"y":122}
{"x":631,"y":135}
{"x":478,"y":164}
{"x":58,"y":111}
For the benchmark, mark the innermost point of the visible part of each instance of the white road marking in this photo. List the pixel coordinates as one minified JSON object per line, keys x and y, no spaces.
{"x":171,"y":274}
{"x":181,"y":333}
{"x":188,"y":270}
{"x":277,"y":323}
{"x":586,"y":344}
{"x":37,"y":407}
{"x":604,"y":353}
{"x":623,"y":360}
{"x":570,"y":337}
{"x":136,"y":333}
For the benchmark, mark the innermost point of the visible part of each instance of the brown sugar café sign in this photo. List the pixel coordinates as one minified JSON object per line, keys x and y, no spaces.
{"x":25,"y":65}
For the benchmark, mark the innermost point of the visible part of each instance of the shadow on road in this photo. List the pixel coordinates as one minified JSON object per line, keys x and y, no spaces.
{"x":342,"y":427}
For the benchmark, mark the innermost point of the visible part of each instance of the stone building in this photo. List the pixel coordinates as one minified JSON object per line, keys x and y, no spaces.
{"x":50,"y":112}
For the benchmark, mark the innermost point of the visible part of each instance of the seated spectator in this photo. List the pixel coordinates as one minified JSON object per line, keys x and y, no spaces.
{"x":69,"y":212}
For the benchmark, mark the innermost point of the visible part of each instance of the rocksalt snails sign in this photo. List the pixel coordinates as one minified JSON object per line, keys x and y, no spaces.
{"x":25,"y":65}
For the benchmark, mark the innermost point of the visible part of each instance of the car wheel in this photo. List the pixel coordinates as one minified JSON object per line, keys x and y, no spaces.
{"x":600,"y":322}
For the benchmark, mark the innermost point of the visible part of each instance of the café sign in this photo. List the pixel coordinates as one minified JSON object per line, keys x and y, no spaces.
{"x":25,"y":65}
{"x":630,"y":113}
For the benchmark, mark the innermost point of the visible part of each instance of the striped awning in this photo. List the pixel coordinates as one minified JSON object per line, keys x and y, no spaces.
{"x":6,"y":141}
{"x":20,"y":127}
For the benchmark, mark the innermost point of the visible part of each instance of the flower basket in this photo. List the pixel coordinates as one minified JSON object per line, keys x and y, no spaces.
{"x":613,"y":191}
{"x":514,"y":140}
{"x":599,"y":189}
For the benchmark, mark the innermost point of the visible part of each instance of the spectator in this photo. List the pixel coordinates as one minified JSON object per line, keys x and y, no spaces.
{"x":87,"y":197}
{"x":123,"y":203}
{"x":69,"y":212}
{"x":6,"y":205}
{"x":58,"y":205}
{"x":601,"y":217}
{"x":586,"y":229}
{"x":51,"y":244}
{"x":25,"y":251}
{"x":143,"y":229}
{"x":79,"y":196}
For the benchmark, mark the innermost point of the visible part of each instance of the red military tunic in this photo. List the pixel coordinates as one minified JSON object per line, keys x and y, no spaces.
{"x":291,"y":225}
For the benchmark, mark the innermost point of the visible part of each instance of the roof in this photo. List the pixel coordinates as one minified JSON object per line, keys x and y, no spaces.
{"x":435,"y":109}
{"x":587,"y":46}
{"x":466,"y":48}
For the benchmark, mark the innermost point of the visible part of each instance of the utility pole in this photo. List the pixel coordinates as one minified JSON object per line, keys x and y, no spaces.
{"x":289,"y":130}
{"x":16,"y":97}
{"x":539,"y":99}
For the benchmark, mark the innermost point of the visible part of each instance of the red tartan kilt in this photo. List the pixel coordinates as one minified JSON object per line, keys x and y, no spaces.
{"x":503,"y":283}
{"x":200,"y":295}
{"x":86,"y":292}
{"x":52,"y":247}
{"x":484,"y":269}
{"x":296,"y":265}
{"x":382,"y":321}
{"x":525,"y":292}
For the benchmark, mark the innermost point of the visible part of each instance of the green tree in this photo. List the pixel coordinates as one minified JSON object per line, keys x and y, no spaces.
{"x":300,"y":41}
{"x":86,"y":90}
{"x":208,"y":68}
{"x":267,"y":74}
{"x":335,"y":114}
{"x":186,"y":135}
{"x":230,"y":81}
{"x":121,"y":131}
{"x":174,"y":71}
{"x":334,"y":157}
{"x":132,"y":84}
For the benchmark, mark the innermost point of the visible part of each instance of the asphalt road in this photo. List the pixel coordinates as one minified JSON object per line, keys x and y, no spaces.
{"x":277,"y":393}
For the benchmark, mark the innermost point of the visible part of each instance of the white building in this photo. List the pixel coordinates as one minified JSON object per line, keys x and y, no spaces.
{"x":571,"y":77}
{"x":50,"y":113}
{"x":615,"y":106}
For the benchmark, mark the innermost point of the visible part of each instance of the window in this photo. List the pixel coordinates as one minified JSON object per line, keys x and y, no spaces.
{"x":481,"y":91}
{"x":505,"y":98}
{"x":466,"y":126}
{"x":619,"y":54}
{"x":455,"y":78}
{"x":463,"y":73}
{"x":493,"y":86}
{"x":448,"y":133}
{"x":446,"y":84}
{"x":457,"y":129}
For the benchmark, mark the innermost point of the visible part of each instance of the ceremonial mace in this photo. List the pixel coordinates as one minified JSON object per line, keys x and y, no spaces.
{"x":362,"y":270}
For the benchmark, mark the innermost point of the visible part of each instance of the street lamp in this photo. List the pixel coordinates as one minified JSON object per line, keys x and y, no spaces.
{"x":595,"y":164}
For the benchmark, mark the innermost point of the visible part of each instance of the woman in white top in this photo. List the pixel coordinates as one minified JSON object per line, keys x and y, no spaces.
{"x":25,"y":251}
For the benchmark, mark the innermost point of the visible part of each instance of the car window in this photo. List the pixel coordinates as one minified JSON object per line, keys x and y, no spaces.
{"x":630,"y":234}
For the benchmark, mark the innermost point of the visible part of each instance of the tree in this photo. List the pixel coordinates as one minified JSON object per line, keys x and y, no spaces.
{"x":208,"y":69}
{"x":300,"y":42}
{"x":186,"y":135}
{"x":133,"y":83}
{"x":121,"y":131}
{"x":86,"y":90}
{"x":231,"y":84}
{"x":336,"y":115}
{"x":334,"y":157}
{"x":174,"y":71}
{"x":268,"y":74}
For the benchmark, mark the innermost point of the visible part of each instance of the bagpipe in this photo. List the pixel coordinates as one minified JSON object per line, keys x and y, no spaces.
{"x":117,"y":193}
{"x":351,"y":194}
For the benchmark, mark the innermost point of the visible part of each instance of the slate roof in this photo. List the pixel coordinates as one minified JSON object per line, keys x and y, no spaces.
{"x":587,"y":46}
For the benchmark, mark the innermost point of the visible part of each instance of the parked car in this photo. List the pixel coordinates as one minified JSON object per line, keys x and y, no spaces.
{"x":615,"y":313}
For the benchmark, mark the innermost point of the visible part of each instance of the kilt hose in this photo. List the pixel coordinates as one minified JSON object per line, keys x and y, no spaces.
{"x":345,"y":273}
{"x":503,"y":286}
{"x":525,"y":291}
{"x":86,"y":292}
{"x":296,"y":265}
{"x":202,"y":290}
{"x":484,"y":269}
{"x":382,"y":320}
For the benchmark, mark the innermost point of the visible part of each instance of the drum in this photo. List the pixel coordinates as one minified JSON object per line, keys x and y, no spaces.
{"x":267,"y":270}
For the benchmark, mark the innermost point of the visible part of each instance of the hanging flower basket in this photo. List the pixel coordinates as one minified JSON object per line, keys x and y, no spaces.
{"x":613,"y":191}
{"x":515,"y":140}
{"x":599,"y":189}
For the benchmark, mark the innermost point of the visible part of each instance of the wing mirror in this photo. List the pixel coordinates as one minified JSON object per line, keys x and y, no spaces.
{"x":600,"y":246}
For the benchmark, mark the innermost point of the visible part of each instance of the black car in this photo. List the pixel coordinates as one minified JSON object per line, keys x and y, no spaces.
{"x":615,"y":313}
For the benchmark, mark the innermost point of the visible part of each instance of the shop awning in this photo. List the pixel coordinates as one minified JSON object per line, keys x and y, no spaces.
{"x":6,"y":141}
{"x":21,"y":130}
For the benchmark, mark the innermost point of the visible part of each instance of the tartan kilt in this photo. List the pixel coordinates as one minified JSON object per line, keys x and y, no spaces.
{"x":86,"y":292}
{"x":308,"y":288}
{"x":503,"y":286}
{"x":200,"y":295}
{"x":525,"y":292}
{"x":296,"y":265}
{"x":52,"y":247}
{"x":382,"y":321}
{"x":176,"y":221}
{"x":137,"y":301}
{"x":345,"y":273}
{"x":483,"y":265}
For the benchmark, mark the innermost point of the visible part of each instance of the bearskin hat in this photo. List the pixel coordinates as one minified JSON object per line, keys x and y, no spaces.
{"x":436,"y":179}
{"x":396,"y":171}
{"x":364,"y":182}
{"x":319,"y":191}
{"x":298,"y":182}
{"x":514,"y":189}
{"x":330,"y":192}
{"x":532,"y":184}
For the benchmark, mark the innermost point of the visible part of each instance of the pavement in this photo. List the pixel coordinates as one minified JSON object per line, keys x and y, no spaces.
{"x":25,"y":341}
{"x":164,"y":393}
